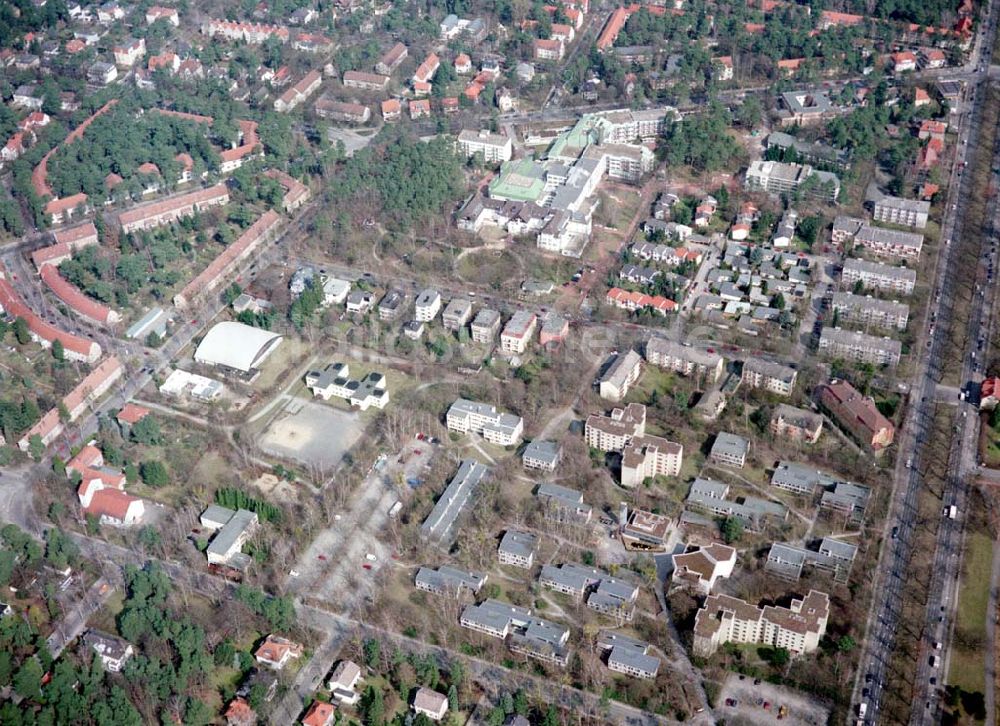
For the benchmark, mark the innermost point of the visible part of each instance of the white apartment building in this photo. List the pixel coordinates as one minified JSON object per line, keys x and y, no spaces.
{"x":648,"y":456}
{"x":518,"y":332}
{"x":798,"y":628}
{"x":684,"y":359}
{"x":335,"y":381}
{"x":495,"y":148}
{"x":503,"y":429}
{"x":905,"y":212}
{"x":427,"y":305}
{"x":890,"y":242}
{"x":776,"y":177}
{"x":614,"y":432}
{"x":616,"y":382}
{"x":870,"y":311}
{"x":888,"y":278}
{"x":860,"y":347}
{"x":770,"y":376}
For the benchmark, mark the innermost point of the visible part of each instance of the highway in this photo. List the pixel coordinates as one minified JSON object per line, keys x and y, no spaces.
{"x":895,"y":561}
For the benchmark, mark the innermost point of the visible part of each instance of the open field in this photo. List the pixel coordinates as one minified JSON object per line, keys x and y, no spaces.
{"x":968,"y":655}
{"x":311,"y":433}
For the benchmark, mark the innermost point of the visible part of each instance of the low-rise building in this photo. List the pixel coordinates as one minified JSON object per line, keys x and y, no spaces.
{"x":430,"y":703}
{"x":887,"y":278}
{"x":495,"y":148}
{"x":615,"y":431}
{"x":905,"y":212}
{"x":833,"y":555}
{"x":776,"y":177}
{"x":541,"y":455}
{"x":603,"y":593}
{"x":335,"y":381}
{"x":518,"y":332}
{"x":628,"y":656}
{"x":870,"y":311}
{"x":730,"y":450}
{"x":503,"y":429}
{"x":359,"y":301}
{"x":392,"y":305}
{"x":355,"y":113}
{"x":617,"y":380}
{"x":427,"y":305}
{"x":451,"y":581}
{"x":702,"y":567}
{"x":713,"y":497}
{"x":857,"y":414}
{"x":344,"y":681}
{"x":772,"y":377}
{"x":684,"y":359}
{"x":525,"y":634}
{"x":113,"y":651}
{"x":365,"y":81}
{"x":890,"y":242}
{"x":440,"y":523}
{"x":797,"y":628}
{"x":233,"y":530}
{"x":517,"y":549}
{"x":859,"y":347}
{"x":649,"y":456}
{"x":485,"y":326}
{"x":796,"y":424}
{"x":392,"y":59}
{"x":555,"y":329}
{"x":275,"y":652}
{"x":644,"y":531}
{"x":563,"y":504}
{"x":456,"y":314}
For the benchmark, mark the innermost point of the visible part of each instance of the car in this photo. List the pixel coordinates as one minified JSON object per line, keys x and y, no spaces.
{"x":293,"y":573}
{"x":367,"y":565}
{"x":866,"y":692}
{"x":868,"y":677}
{"x":370,"y":557}
{"x":895,"y":532}
{"x":321,"y":557}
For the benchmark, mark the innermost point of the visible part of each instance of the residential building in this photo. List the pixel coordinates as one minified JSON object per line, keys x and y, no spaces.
{"x":234,"y":529}
{"x":518,"y":332}
{"x":730,"y":450}
{"x":633,"y":301}
{"x":856,"y":414}
{"x":905,"y":212}
{"x":427,"y":305}
{"x":779,"y":178}
{"x":797,"y":628}
{"x":451,"y":581}
{"x":158,"y":213}
{"x":158,"y":12}
{"x":812,"y":152}
{"x":298,"y":93}
{"x":359,"y":301}
{"x":365,"y":81}
{"x":392,"y":59}
{"x":344,"y":681}
{"x":859,"y":347}
{"x":335,"y":381}
{"x":112,"y":650}
{"x":392,"y":305}
{"x":845,"y":229}
{"x":870,"y":311}
{"x":319,"y":714}
{"x":847,"y":498}
{"x":644,"y":531}
{"x":68,"y":241}
{"x":701,"y":568}
{"x":549,"y":49}
{"x":724,"y":68}
{"x":563,"y":504}
{"x":887,"y":278}
{"x":712,"y":496}
{"x":252,"y":33}
{"x":796,"y":424}
{"x":392,"y":109}
{"x":430,"y":703}
{"x":649,"y":456}
{"x":128,"y":52}
{"x":495,"y":148}
{"x":617,"y":380}
{"x":525,"y":634}
{"x":684,"y":359}
{"x":541,"y":455}
{"x":456,"y":314}
{"x":603,"y":593}
{"x":555,"y":329}
{"x":440,"y":523}
{"x":807,"y":108}
{"x":614,"y":432}
{"x":772,"y":377}
{"x":800,"y":479}
{"x":101,"y":73}
{"x":354,"y":113}
{"x":502,"y":429}
{"x":890,"y":242}
{"x":628,"y":656}
{"x":989,"y":393}
{"x":517,"y":549}
{"x":834,"y":556}
{"x":275,"y":652}
{"x":426,"y":70}
{"x":485,"y":326}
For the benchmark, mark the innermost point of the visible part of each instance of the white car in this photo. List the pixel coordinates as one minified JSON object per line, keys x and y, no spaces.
{"x":371,"y":558}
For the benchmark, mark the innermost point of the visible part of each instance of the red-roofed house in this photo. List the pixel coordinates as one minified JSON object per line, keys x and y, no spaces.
{"x":164,"y":61}
{"x":426,"y":70}
{"x":463,"y":64}
{"x":71,"y":296}
{"x":132,"y":414}
{"x":13,"y":148}
{"x":420,"y":108}
{"x":296,"y":193}
{"x":790,"y":65}
{"x":857,"y":414}
{"x":34,"y":120}
{"x":931,"y":129}
{"x":473,"y":91}
{"x":989,"y":393}
{"x":299,"y":92}
{"x":562,"y":32}
{"x":157,"y":12}
{"x":67,"y":241}
{"x":130,"y":51}
{"x":391,"y":109}
{"x":450,"y":104}
{"x":110,"y":506}
{"x":616,"y":21}
{"x":187,"y":167}
{"x":830,"y":18}
{"x":421,"y":88}
{"x":928,"y":190}
{"x":753,"y":28}
{"x":724,"y":63}
{"x":921,"y":98}
{"x":933,"y":58}
{"x":275,"y":652}
{"x":904,"y":61}
{"x":549,"y":49}
{"x":930,"y":155}
{"x":74,"y":46}
{"x":632,"y":301}
{"x":239,"y":713}
{"x":319,"y":714}
{"x":66,"y":208}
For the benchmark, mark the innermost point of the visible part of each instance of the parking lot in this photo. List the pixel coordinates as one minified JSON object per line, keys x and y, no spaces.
{"x":745,"y":695}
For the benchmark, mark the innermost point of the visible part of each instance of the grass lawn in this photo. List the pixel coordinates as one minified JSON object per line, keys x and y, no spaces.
{"x":967,"y":665}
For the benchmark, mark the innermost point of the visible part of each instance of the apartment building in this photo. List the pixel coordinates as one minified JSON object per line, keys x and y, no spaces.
{"x":779,"y":178}
{"x":859,"y":347}
{"x":451,"y":581}
{"x":800,"y":479}
{"x":845,"y":228}
{"x":904,"y":212}
{"x":365,"y":81}
{"x":890,"y":242}
{"x":518,"y":332}
{"x":525,"y":634}
{"x":427,"y":305}
{"x":649,"y":456}
{"x":869,"y":311}
{"x":158,"y":213}
{"x":730,"y":450}
{"x":797,"y":628}
{"x":684,"y":359}
{"x":555,"y":329}
{"x":604,"y":594}
{"x":644,"y":531}
{"x":856,"y":414}
{"x":495,"y":148}
{"x":354,"y":113}
{"x":563,"y":504}
{"x":485,"y":326}
{"x":887,"y":278}
{"x":335,"y":381}
{"x":614,"y":432}
{"x":440,"y":523}
{"x":796,"y":424}
{"x":617,"y":380}
{"x":252,"y":33}
{"x":712,"y":496}
{"x":541,"y":455}
{"x":517,"y":549}
{"x":833,"y":555}
{"x":628,"y":656}
{"x":456,"y":314}
{"x":772,"y":377}
{"x":392,"y":59}
{"x":232,"y":530}
{"x":299,"y":93}
{"x":702,"y":567}
{"x":502,"y":429}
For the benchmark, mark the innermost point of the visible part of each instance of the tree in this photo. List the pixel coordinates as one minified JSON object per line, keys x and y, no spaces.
{"x":131,"y":472}
{"x":28,"y":680}
{"x":371,"y":649}
{"x":58,"y":352}
{"x":154,"y":473}
{"x":845,"y":644}
{"x":21,"y":331}
{"x":146,"y":431}
{"x":36,"y":447}
{"x":732,"y":529}
{"x":197,"y":713}
{"x":372,"y":706}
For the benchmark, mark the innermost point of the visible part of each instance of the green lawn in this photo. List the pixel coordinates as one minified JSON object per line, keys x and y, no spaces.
{"x":967,"y":664}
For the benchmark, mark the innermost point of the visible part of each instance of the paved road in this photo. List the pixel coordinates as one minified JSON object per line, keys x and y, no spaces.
{"x":894,"y":562}
{"x":72,"y":623}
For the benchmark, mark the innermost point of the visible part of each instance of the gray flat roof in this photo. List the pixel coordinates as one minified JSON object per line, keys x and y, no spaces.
{"x":730,"y":444}
{"x":520,"y":544}
{"x":633,"y":658}
{"x":547,"y":451}
{"x":441,"y":521}
{"x":231,"y":531}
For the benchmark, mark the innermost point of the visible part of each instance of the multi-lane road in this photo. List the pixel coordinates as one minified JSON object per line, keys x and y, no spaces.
{"x":896,"y":563}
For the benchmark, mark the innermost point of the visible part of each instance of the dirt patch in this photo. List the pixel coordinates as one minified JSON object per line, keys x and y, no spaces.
{"x":314,"y":435}
{"x":802,"y":709}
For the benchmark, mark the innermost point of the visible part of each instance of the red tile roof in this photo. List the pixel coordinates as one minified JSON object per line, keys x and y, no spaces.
{"x":612,"y":28}
{"x":132,"y":414}
{"x":319,"y":714}
{"x":74,"y":298}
